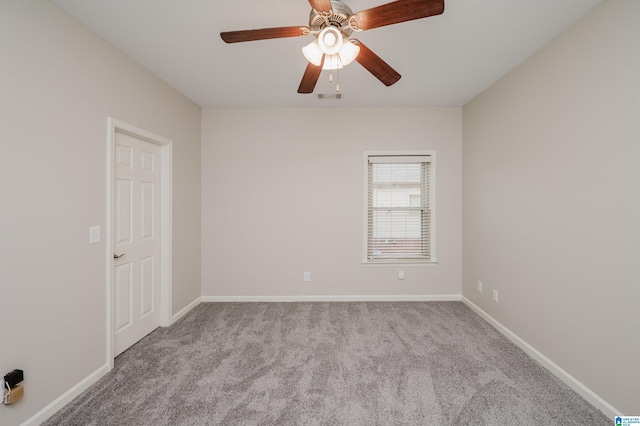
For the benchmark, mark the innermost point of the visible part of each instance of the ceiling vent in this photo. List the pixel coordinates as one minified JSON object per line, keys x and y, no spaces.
{"x":327,"y":96}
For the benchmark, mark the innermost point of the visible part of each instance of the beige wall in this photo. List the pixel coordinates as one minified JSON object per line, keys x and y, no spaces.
{"x":282,"y":193}
{"x":58,"y":84}
{"x":552,"y":202}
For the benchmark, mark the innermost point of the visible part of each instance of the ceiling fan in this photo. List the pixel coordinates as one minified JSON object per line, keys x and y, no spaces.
{"x":332,"y":22}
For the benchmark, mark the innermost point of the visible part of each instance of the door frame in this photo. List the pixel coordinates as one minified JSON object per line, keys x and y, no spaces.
{"x":166,"y":203}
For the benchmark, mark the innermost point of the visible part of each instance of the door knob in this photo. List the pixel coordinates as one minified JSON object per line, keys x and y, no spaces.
{"x":118,"y":256}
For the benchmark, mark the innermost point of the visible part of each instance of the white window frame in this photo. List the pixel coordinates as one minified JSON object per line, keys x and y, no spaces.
{"x":432,"y":205}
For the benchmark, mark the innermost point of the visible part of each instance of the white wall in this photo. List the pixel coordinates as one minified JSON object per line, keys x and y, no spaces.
{"x":58,"y":84}
{"x":552,"y":202}
{"x":282,"y":193}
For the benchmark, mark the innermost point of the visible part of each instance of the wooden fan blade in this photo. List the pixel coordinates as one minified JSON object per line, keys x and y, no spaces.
{"x":263,"y":34}
{"x":396,"y":12}
{"x":321,"y":5}
{"x":310,"y":77}
{"x":375,"y":65}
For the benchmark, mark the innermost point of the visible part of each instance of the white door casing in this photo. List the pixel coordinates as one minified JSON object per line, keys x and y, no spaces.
{"x":139,"y":282}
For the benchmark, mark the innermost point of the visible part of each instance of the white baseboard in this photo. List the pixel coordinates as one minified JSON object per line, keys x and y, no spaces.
{"x":370,"y":298}
{"x":567,"y":378}
{"x":67,"y":397}
{"x":186,"y":310}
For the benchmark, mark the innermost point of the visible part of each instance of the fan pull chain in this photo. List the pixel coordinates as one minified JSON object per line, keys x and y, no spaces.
{"x":337,"y":76}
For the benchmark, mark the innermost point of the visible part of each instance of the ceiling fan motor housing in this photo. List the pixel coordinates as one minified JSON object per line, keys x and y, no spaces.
{"x":338,"y":17}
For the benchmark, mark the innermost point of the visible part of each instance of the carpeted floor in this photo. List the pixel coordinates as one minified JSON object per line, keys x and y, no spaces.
{"x":360,"y":363}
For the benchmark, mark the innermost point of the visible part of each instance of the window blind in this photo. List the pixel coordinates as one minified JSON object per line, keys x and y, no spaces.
{"x":399,"y":216}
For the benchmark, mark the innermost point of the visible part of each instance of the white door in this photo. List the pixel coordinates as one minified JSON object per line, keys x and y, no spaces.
{"x":136,"y":274}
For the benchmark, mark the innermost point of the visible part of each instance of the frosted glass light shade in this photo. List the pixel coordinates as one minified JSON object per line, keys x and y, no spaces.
{"x":313,"y":53}
{"x":348,"y":53}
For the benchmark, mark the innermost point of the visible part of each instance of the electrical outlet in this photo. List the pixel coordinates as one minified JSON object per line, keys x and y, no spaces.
{"x":307,"y":276}
{"x":495,"y":296}
{"x":479,"y":286}
{"x":401,"y":275}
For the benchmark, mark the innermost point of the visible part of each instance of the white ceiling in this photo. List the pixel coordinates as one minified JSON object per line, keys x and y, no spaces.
{"x":444,"y":60}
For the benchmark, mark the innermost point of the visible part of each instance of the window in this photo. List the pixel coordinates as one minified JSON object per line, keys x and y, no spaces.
{"x":399,"y":220}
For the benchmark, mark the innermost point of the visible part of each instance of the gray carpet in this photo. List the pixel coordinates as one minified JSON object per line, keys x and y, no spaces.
{"x":382,"y":363}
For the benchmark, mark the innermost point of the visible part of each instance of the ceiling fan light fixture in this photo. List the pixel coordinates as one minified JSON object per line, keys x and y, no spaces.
{"x":313,"y":53}
{"x":337,"y":51}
